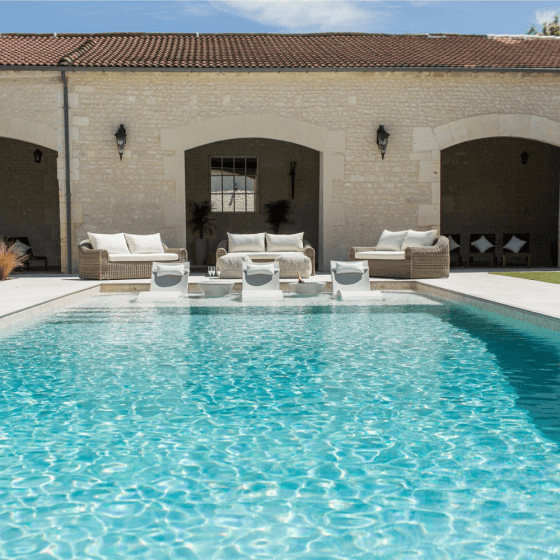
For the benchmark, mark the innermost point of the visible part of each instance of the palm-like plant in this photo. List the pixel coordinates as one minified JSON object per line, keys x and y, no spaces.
{"x":201,"y":222}
{"x":10,"y":259}
{"x":277,"y":214}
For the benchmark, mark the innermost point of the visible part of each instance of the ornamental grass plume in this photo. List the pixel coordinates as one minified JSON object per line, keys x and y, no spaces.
{"x":10,"y":258}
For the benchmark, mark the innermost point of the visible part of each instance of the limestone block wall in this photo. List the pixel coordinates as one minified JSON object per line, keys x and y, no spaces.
{"x":274,"y":183}
{"x":334,"y":113}
{"x":29,"y":202}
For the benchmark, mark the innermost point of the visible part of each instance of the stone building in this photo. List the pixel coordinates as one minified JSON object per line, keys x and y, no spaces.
{"x":225,"y":118}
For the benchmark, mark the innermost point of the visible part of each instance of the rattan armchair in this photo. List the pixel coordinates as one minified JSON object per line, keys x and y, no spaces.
{"x":419,"y":262}
{"x":95,"y":265}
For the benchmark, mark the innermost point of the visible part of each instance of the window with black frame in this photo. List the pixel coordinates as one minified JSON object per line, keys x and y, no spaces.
{"x":233,"y":184}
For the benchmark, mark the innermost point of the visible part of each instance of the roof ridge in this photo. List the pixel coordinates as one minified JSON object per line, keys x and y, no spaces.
{"x":72,"y":56}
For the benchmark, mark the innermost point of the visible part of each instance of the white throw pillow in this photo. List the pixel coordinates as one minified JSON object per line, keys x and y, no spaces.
{"x":292,"y":242}
{"x":140,"y":244}
{"x":453,"y":244}
{"x":482,"y":244}
{"x":112,"y":243}
{"x":353,"y":267}
{"x":20,"y":247}
{"x":170,"y":270}
{"x":245,"y":243}
{"x":262,"y":269}
{"x":391,"y":240}
{"x":419,"y":238}
{"x":515,"y":244}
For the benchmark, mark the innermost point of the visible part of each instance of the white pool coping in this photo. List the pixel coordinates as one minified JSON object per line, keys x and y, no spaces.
{"x":26,"y":297}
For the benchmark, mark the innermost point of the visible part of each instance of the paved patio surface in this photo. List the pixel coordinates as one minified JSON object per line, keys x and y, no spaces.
{"x":28,"y":295}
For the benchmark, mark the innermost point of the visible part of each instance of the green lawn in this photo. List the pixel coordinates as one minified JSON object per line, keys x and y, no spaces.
{"x":551,"y":277}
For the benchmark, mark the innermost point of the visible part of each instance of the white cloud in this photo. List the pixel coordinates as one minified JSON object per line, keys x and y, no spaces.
{"x":544,"y":16}
{"x":306,"y":15}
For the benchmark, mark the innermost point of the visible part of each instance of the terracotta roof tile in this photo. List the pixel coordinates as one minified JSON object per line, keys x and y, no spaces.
{"x":331,"y":50}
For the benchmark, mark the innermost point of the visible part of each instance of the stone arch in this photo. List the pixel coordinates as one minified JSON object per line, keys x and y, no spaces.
{"x":29,"y":131}
{"x":428,"y":142}
{"x":330,"y":143}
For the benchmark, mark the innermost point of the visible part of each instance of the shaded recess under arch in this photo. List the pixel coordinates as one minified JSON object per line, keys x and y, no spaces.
{"x":273,"y":183}
{"x":29,"y":197}
{"x":485,"y":188}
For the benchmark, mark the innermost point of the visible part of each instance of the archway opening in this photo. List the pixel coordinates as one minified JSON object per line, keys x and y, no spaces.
{"x":29,"y":199}
{"x":486,"y":188}
{"x":240,"y":176}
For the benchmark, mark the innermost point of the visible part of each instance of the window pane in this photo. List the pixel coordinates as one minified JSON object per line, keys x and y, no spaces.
{"x":216,"y":184}
{"x":229,"y":201}
{"x":251,"y":184}
{"x":250,"y":203}
{"x":252,"y":167}
{"x":216,"y":166}
{"x":228,"y":183}
{"x":228,"y":166}
{"x":240,"y":203}
{"x":239,"y":184}
{"x":240,"y":166}
{"x":216,"y":203}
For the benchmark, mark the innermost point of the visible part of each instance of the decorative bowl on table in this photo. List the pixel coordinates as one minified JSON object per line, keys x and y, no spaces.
{"x":307,"y":288}
{"x":216,"y":288}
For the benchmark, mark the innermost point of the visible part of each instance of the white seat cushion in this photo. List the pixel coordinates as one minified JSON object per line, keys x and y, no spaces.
{"x":392,"y":255}
{"x":419,"y":238}
{"x":170,"y":270}
{"x":515,"y":244}
{"x":352,"y":267}
{"x":112,"y":243}
{"x":257,"y":255}
{"x":144,"y":244}
{"x":280,"y":243}
{"x":482,"y":244}
{"x":260,"y":269}
{"x":145,"y":257}
{"x":391,"y":240}
{"x":241,"y":243}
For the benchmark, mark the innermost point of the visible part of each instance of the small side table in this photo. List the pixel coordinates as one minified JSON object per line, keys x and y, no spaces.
{"x":216,"y":288}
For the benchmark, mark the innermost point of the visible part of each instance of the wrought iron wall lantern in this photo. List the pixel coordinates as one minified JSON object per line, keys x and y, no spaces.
{"x":382,"y":140}
{"x":524,"y":158}
{"x":37,"y":154}
{"x":121,"y":139}
{"x":293,"y":176}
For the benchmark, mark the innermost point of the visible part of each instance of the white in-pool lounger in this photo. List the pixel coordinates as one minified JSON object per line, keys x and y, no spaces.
{"x":350,"y":281}
{"x":169,"y":282}
{"x":261,"y":282}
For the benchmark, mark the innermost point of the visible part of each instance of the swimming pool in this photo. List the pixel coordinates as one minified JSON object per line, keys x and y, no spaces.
{"x":416,"y":429}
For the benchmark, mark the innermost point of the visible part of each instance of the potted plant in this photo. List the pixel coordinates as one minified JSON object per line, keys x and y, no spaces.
{"x":201,"y":223}
{"x":277,"y":214}
{"x":10,"y":258}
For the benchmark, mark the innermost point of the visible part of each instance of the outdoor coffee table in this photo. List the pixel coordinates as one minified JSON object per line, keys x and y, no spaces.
{"x":216,"y":288}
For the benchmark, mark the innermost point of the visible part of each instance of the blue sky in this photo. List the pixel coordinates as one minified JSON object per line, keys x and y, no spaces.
{"x":275,"y":16}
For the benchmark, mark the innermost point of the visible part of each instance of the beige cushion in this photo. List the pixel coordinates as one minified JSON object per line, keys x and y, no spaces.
{"x":112,"y":243}
{"x":515,"y":244}
{"x":243,"y":243}
{"x":260,"y":269}
{"x":144,"y":244}
{"x":391,"y":240}
{"x":170,"y":270}
{"x":419,"y":238}
{"x":392,"y":255}
{"x":230,"y":265}
{"x":280,"y":243}
{"x":145,"y":257}
{"x":482,"y":244}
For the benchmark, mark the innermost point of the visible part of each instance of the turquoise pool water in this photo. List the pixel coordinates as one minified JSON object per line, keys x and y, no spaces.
{"x":328,"y":431}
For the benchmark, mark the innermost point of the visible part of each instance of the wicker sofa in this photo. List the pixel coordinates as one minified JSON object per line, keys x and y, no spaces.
{"x":308,"y":251}
{"x":418,"y":262}
{"x":96,"y":265}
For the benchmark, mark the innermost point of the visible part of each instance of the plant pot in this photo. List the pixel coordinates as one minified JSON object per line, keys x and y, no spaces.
{"x":201,"y":251}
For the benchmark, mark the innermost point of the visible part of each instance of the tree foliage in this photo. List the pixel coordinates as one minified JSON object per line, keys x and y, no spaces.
{"x":549,"y":28}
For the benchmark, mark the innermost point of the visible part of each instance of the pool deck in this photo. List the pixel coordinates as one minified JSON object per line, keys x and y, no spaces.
{"x":26,"y":296}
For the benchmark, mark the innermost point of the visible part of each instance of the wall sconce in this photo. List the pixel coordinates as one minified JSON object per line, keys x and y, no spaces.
{"x":121,"y":139}
{"x":293,"y":175}
{"x":524,"y":158}
{"x":37,"y":154}
{"x":382,"y":140}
